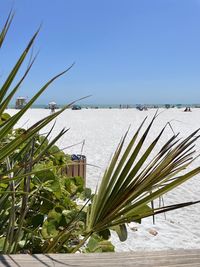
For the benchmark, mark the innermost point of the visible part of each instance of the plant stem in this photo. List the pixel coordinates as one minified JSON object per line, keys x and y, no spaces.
{"x":24,"y":207}
{"x":82,"y":242}
{"x":10,"y":231}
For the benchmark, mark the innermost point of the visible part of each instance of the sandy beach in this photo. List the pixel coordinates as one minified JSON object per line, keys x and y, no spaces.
{"x":101,"y":130}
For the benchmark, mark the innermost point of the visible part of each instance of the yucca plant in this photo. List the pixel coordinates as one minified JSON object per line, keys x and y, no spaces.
{"x":132,"y":182}
{"x":38,"y":211}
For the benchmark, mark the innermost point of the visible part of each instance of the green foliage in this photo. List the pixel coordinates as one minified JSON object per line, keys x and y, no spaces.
{"x":51,"y":211}
{"x":43,"y":211}
{"x":121,"y":231}
{"x":132,"y":182}
{"x":39,"y":210}
{"x":97,"y":244}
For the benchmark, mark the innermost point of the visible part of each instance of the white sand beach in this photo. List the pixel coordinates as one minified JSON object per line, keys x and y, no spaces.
{"x":102,"y":129}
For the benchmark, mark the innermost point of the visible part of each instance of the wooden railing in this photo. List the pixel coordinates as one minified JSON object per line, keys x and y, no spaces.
{"x":175,"y":258}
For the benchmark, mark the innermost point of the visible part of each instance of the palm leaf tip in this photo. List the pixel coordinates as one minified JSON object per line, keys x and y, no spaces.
{"x":6,"y":27}
{"x":128,"y":187}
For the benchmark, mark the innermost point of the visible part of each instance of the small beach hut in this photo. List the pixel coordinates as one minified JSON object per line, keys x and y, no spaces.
{"x":52,"y":106}
{"x":20,"y":102}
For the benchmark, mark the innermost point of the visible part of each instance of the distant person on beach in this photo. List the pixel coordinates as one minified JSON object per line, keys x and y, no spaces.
{"x":187,"y":109}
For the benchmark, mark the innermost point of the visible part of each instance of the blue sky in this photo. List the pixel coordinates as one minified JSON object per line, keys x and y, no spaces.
{"x":126,"y":51}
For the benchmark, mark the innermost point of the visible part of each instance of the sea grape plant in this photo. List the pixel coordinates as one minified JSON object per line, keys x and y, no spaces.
{"x":40,"y":210}
{"x":44,"y":211}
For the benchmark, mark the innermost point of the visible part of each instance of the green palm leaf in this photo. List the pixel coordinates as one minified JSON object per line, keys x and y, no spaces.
{"x":128,"y":187}
{"x":6,"y":27}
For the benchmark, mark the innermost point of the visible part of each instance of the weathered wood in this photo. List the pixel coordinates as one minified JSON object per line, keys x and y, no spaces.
{"x":76,"y":168}
{"x":173,"y":258}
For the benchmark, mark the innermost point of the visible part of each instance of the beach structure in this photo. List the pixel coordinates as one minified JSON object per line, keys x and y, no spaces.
{"x":52,"y":106}
{"x":20,"y":102}
{"x":167,"y":258}
{"x":77,"y":167}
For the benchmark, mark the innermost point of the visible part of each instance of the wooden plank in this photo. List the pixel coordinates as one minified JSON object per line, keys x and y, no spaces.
{"x":68,"y":170}
{"x":177,"y":258}
{"x":135,"y":255}
{"x":76,"y":168}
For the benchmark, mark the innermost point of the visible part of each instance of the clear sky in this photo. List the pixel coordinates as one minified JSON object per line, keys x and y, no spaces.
{"x":126,"y":51}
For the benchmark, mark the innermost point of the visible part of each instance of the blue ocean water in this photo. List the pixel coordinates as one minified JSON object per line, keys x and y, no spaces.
{"x":106,"y":106}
